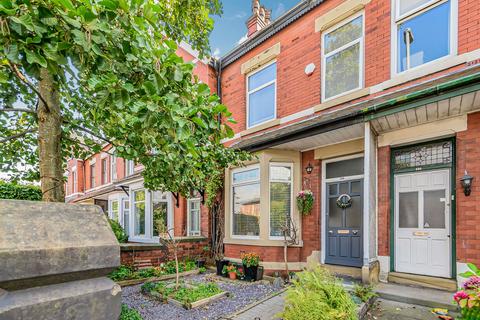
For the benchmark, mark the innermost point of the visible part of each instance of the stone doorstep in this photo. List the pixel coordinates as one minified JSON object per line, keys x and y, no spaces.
{"x":422,"y":281}
{"x":427,"y":297}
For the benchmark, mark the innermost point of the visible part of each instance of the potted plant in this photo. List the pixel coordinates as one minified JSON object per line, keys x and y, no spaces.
{"x":201,"y":258}
{"x":231,"y":270}
{"x":250,"y":265}
{"x":305,"y":202}
{"x":468,"y":298}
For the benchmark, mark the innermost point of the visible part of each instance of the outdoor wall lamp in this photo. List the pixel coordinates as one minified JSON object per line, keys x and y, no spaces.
{"x":309,"y":168}
{"x":466,"y":182}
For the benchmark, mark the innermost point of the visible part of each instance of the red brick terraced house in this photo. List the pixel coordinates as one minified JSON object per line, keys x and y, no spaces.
{"x":374,"y":106}
{"x":116,"y":185}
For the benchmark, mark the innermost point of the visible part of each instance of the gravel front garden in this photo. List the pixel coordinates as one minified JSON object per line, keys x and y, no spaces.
{"x":241,"y":295}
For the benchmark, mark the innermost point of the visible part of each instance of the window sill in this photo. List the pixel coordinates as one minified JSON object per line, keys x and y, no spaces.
{"x":262,"y":126}
{"x":342,"y":99}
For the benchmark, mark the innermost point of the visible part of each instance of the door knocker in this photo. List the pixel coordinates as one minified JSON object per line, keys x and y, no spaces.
{"x":344,"y":201}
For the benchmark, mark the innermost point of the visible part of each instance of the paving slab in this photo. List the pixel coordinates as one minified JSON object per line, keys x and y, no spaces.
{"x":431,"y":298}
{"x":266,"y":310}
{"x":392,"y":310}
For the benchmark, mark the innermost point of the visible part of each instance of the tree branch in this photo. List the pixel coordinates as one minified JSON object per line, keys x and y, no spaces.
{"x":18,"y":135}
{"x":92,"y":133}
{"x":22,"y":78}
{"x":17,"y":110}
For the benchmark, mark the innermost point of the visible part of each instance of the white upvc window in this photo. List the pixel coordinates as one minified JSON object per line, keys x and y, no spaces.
{"x":113,"y":168}
{"x":343,"y":58}
{"x":281,"y":197}
{"x":114,"y":210}
{"x":151,"y":214}
{"x":126,"y":215}
{"x":194,"y":216}
{"x":74,"y":181}
{"x":262,"y":95}
{"x":129,"y":166}
{"x":246,"y":202}
{"x":423,"y":31}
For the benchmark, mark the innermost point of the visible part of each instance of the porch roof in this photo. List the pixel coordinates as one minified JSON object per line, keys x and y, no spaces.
{"x":351,"y":114}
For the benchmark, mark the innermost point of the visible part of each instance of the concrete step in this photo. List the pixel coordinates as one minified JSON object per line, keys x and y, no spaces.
{"x":422,"y":281}
{"x":427,"y":297}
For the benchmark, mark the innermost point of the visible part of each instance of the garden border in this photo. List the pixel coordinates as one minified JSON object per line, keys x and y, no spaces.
{"x":131,"y":282}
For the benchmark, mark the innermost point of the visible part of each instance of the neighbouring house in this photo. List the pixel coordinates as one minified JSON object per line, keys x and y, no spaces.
{"x":374,"y":105}
{"x":116,"y":185}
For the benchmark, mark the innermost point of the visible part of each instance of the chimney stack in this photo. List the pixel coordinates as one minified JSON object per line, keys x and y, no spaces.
{"x":260,"y":18}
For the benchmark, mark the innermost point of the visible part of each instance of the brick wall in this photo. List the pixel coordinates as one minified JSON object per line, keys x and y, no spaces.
{"x":186,"y":250}
{"x":301,"y":45}
{"x":468,"y":208}
{"x":384,"y":201}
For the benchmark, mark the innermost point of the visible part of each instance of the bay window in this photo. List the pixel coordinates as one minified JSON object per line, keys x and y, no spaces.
{"x":423,"y":31}
{"x":342,"y":58}
{"x":114,"y":210}
{"x":261,"y":95}
{"x":151,"y":214}
{"x":280,"y":198}
{"x":246,"y":202}
{"x":126,"y":215}
{"x":139,"y":212}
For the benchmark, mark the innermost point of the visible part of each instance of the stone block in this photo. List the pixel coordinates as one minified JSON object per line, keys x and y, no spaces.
{"x":53,"y":242}
{"x":92,"y":299}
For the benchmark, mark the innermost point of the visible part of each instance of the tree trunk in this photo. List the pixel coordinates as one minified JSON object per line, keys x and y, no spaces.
{"x":50,"y":140}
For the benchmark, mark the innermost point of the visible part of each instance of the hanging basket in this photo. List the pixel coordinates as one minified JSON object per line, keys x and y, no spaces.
{"x":305,"y":201}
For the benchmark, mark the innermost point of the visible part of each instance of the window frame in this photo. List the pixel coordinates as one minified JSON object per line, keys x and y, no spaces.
{"x":113,"y":168}
{"x":292,"y":179}
{"x":397,"y":19}
{"x":248,"y":92}
{"x":92,"y":174}
{"x":189,"y":231}
{"x":232,"y":186}
{"x":104,"y":170}
{"x":148,"y":237}
{"x":129,"y":167}
{"x":74,"y":181}
{"x":361,"y":41}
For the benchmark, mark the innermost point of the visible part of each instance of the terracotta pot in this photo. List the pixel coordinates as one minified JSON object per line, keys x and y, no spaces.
{"x":232,"y":275}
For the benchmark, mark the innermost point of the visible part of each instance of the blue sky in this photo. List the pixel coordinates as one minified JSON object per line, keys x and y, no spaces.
{"x":230,"y":27}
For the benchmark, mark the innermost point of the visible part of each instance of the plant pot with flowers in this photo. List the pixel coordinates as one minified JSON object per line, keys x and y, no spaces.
{"x":305,"y":202}
{"x":250,"y":262}
{"x":231,"y":270}
{"x":468,"y":298}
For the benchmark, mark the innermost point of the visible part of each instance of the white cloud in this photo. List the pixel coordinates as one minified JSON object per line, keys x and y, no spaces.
{"x":216,"y":52}
{"x":240,"y":15}
{"x":279,"y":10}
{"x":243,"y":39}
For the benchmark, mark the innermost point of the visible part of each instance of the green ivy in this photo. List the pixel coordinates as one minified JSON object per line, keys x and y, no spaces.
{"x":19,"y":192}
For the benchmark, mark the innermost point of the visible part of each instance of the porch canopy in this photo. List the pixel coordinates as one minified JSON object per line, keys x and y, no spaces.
{"x":443,"y":97}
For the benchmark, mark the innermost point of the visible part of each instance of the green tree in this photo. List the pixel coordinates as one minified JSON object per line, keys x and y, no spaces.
{"x":78,"y":74}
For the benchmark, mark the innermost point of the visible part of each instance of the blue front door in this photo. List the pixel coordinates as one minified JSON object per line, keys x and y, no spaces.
{"x":344,"y":213}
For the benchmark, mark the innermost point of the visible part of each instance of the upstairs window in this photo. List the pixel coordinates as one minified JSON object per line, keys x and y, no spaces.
{"x":423,"y":32}
{"x":129,"y":165}
{"x":104,"y":171}
{"x":92,"y":175}
{"x":113,"y":168}
{"x":74,"y":181}
{"x":261,"y":95}
{"x":342,"y":53}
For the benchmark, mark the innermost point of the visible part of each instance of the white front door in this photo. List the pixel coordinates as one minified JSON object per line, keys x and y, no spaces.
{"x":422,"y":223}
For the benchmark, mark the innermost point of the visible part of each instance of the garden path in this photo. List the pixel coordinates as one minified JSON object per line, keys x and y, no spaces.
{"x":265,"y":310}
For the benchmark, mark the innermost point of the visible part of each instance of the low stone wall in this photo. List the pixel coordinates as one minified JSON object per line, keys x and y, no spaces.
{"x":144,"y":254}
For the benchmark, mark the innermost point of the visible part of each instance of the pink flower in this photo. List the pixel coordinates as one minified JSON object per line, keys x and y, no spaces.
{"x":472,"y":283}
{"x":460,"y":295}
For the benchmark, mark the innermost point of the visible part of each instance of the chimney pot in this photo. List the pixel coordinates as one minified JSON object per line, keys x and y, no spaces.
{"x":259,"y":19}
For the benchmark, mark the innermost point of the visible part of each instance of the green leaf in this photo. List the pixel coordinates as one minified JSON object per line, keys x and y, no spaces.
{"x":12,"y":53}
{"x":33,"y":57}
{"x":25,"y":20}
{"x":178,"y":75}
{"x":66,"y":4}
{"x":199,"y":121}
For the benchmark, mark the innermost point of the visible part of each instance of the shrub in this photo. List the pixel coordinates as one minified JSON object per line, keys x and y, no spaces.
{"x":364,"y":292}
{"x":122,"y":273}
{"x":117,"y":229}
{"x":317,"y":295}
{"x":15,"y":191}
{"x":129,"y":313}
